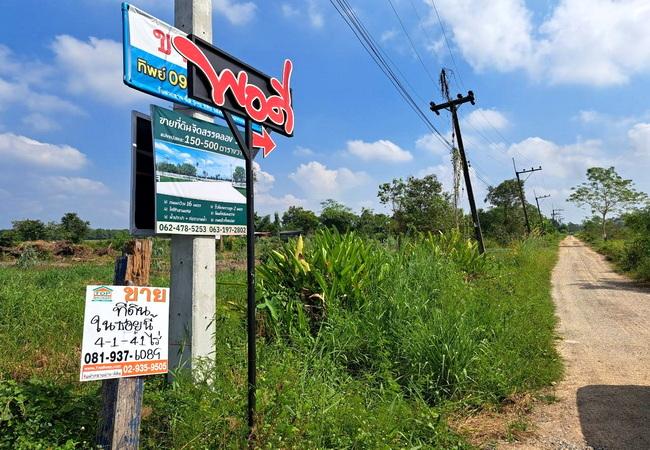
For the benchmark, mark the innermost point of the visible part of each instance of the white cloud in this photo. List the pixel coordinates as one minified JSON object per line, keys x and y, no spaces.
{"x":639,"y":136}
{"x":432,"y":144}
{"x":315,"y":15}
{"x":317,"y":181}
{"x":93,"y":69}
{"x":311,"y":14}
{"x":36,"y":176}
{"x":237,"y":13}
{"x":593,"y":42}
{"x":388,"y":35}
{"x":589,"y":116}
{"x":443,"y":172}
{"x":381,"y":150}
{"x":303,"y":152}
{"x":74,"y":185}
{"x":35,"y":154}
{"x":23,"y":94}
{"x":263,"y":180}
{"x":482,"y":119}
{"x":561,"y":161}
{"x":495,"y":34}
{"x":289,"y":11}
{"x":40,"y":122}
{"x":265,"y":201}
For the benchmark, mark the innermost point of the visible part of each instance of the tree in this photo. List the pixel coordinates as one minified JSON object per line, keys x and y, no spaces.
{"x":418,"y":204}
{"x":53,"y":231}
{"x":263,"y":223}
{"x":505,"y":219}
{"x":373,"y":225}
{"x":239,"y":175}
{"x":605,"y":192}
{"x":276,"y":223}
{"x":337,"y":215}
{"x":74,"y":229}
{"x":29,"y":230}
{"x":298,"y":218}
{"x":187,"y":169}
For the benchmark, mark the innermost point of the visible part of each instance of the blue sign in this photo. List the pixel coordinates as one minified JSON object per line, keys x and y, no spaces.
{"x":152,"y":65}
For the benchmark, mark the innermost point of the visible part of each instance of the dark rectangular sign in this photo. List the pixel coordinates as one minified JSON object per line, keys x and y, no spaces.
{"x":266,"y":100}
{"x":142,"y":177}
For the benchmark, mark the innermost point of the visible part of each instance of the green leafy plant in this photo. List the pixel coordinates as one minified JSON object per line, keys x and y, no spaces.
{"x":462,"y":251}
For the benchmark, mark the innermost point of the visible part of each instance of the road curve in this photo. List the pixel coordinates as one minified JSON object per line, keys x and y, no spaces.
{"x":604,"y":325}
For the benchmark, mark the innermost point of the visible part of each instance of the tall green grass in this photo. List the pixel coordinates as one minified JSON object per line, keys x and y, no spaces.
{"x":396,"y":346}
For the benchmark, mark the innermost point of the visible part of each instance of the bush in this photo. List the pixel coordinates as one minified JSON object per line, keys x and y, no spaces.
{"x":435,"y":319}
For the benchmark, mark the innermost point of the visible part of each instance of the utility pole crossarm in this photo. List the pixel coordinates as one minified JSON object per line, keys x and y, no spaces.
{"x":539,"y":210}
{"x":453,"y":104}
{"x":521,"y":190}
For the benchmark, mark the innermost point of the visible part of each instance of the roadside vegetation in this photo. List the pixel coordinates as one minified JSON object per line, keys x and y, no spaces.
{"x":355,"y":337}
{"x":625,"y":238}
{"x":375,"y":330}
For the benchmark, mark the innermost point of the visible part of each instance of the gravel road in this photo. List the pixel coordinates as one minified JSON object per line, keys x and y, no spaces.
{"x":604,"y":322}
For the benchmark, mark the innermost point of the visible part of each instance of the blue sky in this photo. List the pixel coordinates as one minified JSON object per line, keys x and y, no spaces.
{"x":560,"y":84}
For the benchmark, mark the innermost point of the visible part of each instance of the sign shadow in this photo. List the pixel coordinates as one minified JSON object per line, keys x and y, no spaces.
{"x":615,"y":417}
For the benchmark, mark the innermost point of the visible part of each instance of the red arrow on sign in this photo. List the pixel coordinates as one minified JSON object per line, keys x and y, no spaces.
{"x":263,"y":141}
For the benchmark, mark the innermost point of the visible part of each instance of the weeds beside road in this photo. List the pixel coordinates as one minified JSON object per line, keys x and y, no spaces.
{"x":401,"y":340}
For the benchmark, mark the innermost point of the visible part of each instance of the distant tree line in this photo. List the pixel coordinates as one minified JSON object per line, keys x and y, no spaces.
{"x":416,"y":205}
{"x":70,"y":228}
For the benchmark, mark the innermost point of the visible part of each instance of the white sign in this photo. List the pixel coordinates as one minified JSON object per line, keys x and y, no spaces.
{"x":125,"y":332}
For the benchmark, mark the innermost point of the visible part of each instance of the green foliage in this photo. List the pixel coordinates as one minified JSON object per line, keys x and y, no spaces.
{"x":263,"y":223}
{"x":298,"y":284}
{"x":29,"y":230}
{"x":74,"y":229}
{"x":119,"y":240}
{"x":418,"y":204}
{"x":8,"y":238}
{"x":338,"y":216}
{"x":463,"y":252}
{"x":28,"y":258}
{"x":628,"y":242}
{"x":373,"y":225}
{"x":181,"y":169}
{"x":606,"y":192}
{"x":405,"y":338}
{"x":505,"y":221}
{"x":298,"y":218}
{"x":39,"y":414}
{"x":239,"y":175}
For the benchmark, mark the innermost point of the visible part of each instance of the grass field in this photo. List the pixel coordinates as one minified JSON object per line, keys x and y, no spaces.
{"x":427,"y":340}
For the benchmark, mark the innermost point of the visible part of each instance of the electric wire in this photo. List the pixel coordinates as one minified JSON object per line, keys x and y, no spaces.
{"x":380,"y":58}
{"x":459,"y":82}
{"x":408,"y":36}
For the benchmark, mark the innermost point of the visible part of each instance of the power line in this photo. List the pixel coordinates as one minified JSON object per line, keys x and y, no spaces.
{"x":380,"y":58}
{"x":461,"y":84}
{"x":408,"y":36}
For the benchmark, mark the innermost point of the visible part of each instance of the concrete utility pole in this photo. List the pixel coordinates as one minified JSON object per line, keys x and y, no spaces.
{"x":192,"y":304}
{"x":521,"y":190}
{"x":452,"y":106}
{"x":539,"y":210}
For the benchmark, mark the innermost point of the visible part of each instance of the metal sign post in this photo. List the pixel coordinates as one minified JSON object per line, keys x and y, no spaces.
{"x":250,"y":153}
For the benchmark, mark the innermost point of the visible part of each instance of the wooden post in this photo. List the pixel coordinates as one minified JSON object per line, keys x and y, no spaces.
{"x":119,"y":426}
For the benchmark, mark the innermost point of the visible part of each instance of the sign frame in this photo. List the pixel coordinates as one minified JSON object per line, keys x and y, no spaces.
{"x":138,"y":198}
